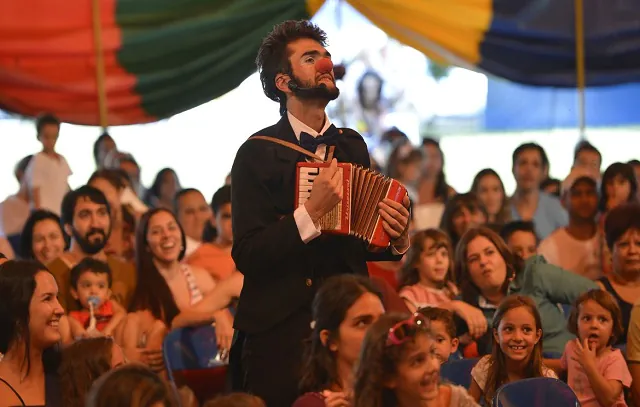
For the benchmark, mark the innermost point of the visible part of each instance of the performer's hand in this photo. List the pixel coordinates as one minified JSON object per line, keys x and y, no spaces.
{"x":325,"y":193}
{"x":395,"y":218}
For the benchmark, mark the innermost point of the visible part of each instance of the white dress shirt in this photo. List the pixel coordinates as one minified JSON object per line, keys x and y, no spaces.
{"x":308,"y":230}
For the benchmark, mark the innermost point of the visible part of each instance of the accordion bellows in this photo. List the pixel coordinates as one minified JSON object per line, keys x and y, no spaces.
{"x":357,"y":213}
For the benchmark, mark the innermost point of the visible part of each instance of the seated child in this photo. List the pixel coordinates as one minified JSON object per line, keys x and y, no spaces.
{"x":426,"y":278}
{"x":517,"y":349}
{"x":520,"y":237}
{"x":397,"y":367}
{"x":443,"y":329}
{"x":597,"y":373}
{"x":91,"y":287}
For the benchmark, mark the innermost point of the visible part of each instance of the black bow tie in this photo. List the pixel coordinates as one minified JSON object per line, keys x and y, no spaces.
{"x":310,"y":143}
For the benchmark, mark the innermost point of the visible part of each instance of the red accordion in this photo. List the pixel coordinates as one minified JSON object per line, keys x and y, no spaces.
{"x":357,"y":214}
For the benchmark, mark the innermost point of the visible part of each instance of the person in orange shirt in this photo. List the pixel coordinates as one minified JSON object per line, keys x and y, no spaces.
{"x":215,"y":256}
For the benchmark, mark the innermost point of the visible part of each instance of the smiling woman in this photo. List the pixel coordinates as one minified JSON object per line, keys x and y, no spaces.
{"x":30,"y":319}
{"x":170,"y":287}
{"x":42,"y":238}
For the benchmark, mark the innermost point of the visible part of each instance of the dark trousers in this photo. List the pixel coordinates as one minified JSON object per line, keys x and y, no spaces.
{"x":269,"y":363}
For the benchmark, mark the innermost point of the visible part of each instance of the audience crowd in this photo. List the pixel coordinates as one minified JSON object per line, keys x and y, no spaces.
{"x":542,"y":283}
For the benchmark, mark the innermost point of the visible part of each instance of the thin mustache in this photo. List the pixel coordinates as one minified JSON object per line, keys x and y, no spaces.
{"x":327,"y":76}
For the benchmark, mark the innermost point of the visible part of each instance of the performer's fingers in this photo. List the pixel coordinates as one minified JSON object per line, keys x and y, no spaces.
{"x":336,"y":183}
{"x":336,"y":178}
{"x":333,"y":167}
{"x":387,"y":225}
{"x":397,"y":206}
{"x":392,"y":233}
{"x":397,"y":218}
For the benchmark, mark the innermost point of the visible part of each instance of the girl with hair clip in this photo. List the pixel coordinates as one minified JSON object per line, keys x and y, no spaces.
{"x":399,"y":367}
{"x":597,"y":373}
{"x":427,"y":279}
{"x":517,"y":349}
{"x":343,"y":309}
{"x":84,"y":362}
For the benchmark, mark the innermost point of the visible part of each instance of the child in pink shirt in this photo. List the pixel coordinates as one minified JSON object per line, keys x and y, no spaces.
{"x":597,"y":373}
{"x":426,"y":279}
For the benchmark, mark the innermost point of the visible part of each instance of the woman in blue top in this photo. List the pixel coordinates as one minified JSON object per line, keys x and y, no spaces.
{"x":488,"y":272}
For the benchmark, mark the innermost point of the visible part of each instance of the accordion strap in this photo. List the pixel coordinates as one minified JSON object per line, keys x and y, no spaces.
{"x":296,"y":147}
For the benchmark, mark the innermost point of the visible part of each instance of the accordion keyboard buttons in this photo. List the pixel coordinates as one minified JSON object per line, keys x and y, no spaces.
{"x":308,"y":282}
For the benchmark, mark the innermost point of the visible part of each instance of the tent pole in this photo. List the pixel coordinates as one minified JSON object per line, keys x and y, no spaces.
{"x":580,"y":65}
{"x":100,"y":73}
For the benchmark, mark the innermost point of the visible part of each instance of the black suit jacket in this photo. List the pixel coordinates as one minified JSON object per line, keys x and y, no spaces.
{"x":281,"y":272}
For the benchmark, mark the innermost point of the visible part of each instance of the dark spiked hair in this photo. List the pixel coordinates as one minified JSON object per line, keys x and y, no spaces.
{"x":273,"y":55}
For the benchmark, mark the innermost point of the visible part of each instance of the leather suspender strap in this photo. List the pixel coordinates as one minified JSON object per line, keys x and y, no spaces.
{"x":295,"y":147}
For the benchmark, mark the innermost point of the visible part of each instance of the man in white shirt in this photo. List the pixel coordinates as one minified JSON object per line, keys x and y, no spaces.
{"x":279,"y":248}
{"x":576,"y":247}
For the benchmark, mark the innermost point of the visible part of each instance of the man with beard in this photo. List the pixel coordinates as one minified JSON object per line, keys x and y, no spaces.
{"x":86,"y":217}
{"x":278,"y":248}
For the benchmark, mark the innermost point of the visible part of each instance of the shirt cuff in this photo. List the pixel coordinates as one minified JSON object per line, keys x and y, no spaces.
{"x":399,"y":251}
{"x":307,"y":229}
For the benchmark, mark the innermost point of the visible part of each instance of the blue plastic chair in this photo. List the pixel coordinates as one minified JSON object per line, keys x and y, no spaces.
{"x":536,"y":392}
{"x":191,"y":348}
{"x":552,"y":355}
{"x":458,"y":371}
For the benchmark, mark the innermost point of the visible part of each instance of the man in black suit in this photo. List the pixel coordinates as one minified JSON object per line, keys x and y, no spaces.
{"x":278,"y":248}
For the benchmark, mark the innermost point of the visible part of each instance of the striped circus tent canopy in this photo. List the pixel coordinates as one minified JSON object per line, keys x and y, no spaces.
{"x":117,"y":62}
